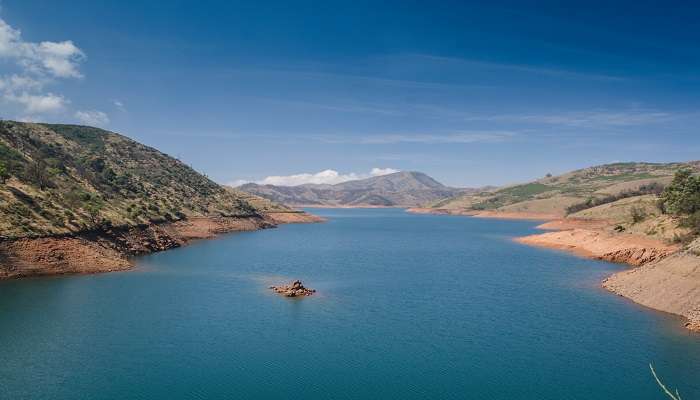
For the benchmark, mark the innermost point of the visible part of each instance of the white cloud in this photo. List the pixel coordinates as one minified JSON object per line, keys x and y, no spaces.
{"x":37,"y":65}
{"x":328,"y":176}
{"x":382,"y":171}
{"x":428,"y":138}
{"x":57,"y":59}
{"x":15,"y":83}
{"x":92,"y":118}
{"x":119,"y":104}
{"x":40,"y":103}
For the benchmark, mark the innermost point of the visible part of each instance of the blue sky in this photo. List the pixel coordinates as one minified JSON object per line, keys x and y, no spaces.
{"x":471,"y":94}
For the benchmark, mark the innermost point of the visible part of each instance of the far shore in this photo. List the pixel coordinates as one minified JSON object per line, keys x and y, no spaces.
{"x":663,"y":277}
{"x":341,"y":206}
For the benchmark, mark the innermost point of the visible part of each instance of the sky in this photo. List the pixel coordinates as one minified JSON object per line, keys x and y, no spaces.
{"x":286,"y":92}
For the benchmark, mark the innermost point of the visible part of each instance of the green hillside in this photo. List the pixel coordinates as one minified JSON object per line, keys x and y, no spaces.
{"x":572,"y":191}
{"x":61,"y":179}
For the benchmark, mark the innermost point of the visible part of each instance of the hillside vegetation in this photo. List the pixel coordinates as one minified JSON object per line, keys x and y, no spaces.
{"x":571,"y":192}
{"x":61,"y":179}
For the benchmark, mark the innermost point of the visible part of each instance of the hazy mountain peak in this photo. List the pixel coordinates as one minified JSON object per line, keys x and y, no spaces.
{"x":405,"y":188}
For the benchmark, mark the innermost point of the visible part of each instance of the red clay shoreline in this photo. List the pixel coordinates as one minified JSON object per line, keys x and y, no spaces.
{"x":112,"y":248}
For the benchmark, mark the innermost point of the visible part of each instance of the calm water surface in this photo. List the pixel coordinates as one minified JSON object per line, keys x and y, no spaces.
{"x":408,"y":307}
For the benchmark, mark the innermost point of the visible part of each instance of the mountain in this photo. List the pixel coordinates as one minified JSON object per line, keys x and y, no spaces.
{"x":570,"y":192}
{"x":397,"y":189}
{"x":63,"y":179}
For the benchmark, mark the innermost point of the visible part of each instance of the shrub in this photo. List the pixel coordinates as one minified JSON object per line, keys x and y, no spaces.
{"x":4,"y":174}
{"x":638,"y":214}
{"x":651,"y":188}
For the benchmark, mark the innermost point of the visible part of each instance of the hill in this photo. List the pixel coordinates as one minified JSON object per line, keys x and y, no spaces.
{"x":557,"y":195}
{"x":82,"y":199}
{"x":397,"y":189}
{"x":643,"y":214}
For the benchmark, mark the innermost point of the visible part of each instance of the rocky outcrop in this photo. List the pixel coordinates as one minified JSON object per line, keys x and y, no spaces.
{"x":637,"y":255}
{"x":294,"y":289}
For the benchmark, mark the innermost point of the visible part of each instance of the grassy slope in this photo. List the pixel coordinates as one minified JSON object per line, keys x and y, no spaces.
{"x":554,"y":194}
{"x":95,"y":177}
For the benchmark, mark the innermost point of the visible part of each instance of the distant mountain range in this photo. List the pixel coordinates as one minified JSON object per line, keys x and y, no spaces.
{"x":393,"y":190}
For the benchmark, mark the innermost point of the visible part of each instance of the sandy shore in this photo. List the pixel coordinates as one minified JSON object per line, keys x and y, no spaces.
{"x":111,"y":249}
{"x":339,"y":206}
{"x":671,"y":285}
{"x":486,"y":214}
{"x":663,"y":277}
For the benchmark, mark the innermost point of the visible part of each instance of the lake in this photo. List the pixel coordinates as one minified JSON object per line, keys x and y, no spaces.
{"x":408,"y":307}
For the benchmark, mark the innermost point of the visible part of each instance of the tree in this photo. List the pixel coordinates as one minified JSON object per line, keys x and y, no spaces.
{"x":93,"y":209}
{"x":3,"y":173}
{"x":39,"y":174}
{"x":682,"y":196}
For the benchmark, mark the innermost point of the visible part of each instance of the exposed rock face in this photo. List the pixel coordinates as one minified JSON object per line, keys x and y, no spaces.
{"x":295,"y":289}
{"x":631,"y":249}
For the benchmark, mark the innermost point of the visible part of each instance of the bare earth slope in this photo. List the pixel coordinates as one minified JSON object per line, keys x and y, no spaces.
{"x":81,"y":199}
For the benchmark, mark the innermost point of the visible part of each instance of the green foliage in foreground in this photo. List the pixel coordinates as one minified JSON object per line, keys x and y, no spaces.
{"x":682,"y":198}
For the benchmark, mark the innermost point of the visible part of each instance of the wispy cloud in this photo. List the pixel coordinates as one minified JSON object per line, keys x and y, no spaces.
{"x":524,"y":68}
{"x":92,"y":117}
{"x":348,"y":107}
{"x":357,"y":78}
{"x":393,"y":138}
{"x":584,"y":119}
{"x":328,"y":176}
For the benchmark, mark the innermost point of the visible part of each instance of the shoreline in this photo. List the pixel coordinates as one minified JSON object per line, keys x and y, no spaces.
{"x":111,"y":249}
{"x":661,"y":276}
{"x":340,"y":206}
{"x":517,"y":215}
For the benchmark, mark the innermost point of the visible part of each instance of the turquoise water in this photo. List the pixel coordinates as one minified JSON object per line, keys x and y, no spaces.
{"x":408,"y":307}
